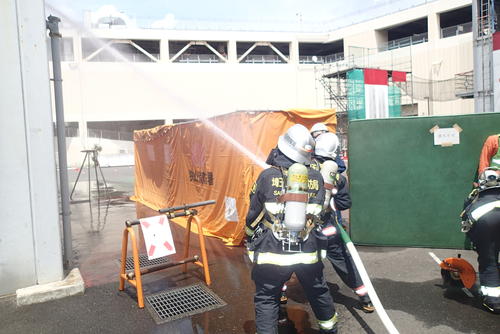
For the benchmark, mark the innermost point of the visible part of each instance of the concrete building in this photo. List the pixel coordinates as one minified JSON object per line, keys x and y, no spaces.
{"x":174,"y":75}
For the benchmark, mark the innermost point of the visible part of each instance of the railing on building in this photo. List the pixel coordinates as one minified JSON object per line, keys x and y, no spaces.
{"x":464,"y":84}
{"x":456,"y":30}
{"x":263,"y":59}
{"x":198,"y":58}
{"x":405,"y":41}
{"x":321,"y":59}
{"x":110,"y":134}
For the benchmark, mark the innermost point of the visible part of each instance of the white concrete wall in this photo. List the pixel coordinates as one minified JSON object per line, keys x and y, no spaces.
{"x":137,"y":91}
{"x":30,"y":245}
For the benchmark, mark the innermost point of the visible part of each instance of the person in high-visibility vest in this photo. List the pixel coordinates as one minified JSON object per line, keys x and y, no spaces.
{"x":490,"y":156}
{"x":481,"y":222}
{"x":282,"y":232}
{"x":336,"y":185}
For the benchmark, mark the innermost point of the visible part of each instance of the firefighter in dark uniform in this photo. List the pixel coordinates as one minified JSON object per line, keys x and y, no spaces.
{"x":282,"y":232}
{"x":338,"y":189}
{"x":481,"y":222}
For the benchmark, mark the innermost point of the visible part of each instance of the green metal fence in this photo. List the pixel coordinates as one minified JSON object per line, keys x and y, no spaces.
{"x":405,"y":190}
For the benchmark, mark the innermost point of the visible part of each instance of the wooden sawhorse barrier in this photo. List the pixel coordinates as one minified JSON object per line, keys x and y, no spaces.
{"x":134,"y":277}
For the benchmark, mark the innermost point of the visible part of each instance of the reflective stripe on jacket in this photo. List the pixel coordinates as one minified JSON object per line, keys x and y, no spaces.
{"x":287,"y":259}
{"x":478,"y":212}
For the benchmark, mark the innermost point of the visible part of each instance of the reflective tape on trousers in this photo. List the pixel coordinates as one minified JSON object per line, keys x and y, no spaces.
{"x":361,"y":291}
{"x":484,"y":209}
{"x":490,"y":291}
{"x":328,"y":324}
{"x":285,"y":259}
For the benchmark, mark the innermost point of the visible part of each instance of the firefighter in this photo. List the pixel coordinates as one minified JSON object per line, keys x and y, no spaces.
{"x":481,"y":222}
{"x":337,"y":187}
{"x":282,"y":235}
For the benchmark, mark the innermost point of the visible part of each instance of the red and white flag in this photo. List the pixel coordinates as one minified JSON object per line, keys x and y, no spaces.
{"x":376,"y":93}
{"x":157,"y":236}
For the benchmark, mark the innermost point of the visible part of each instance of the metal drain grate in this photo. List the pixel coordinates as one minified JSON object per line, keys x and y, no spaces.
{"x":182,"y":302}
{"x":143,"y":261}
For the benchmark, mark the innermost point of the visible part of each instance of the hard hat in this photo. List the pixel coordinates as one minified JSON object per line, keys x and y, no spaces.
{"x":489,"y":178}
{"x":297,"y":144}
{"x":318,"y":129}
{"x":326,"y":145}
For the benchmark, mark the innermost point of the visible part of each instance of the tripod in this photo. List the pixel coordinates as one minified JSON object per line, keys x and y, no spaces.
{"x":92,"y":155}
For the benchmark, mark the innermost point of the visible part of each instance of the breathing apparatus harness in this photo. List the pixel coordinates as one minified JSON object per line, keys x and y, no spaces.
{"x":291,"y":225}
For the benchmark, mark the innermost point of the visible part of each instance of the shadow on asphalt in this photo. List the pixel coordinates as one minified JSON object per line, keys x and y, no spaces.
{"x":429,"y":303}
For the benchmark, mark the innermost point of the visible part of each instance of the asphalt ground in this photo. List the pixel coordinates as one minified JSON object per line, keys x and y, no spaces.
{"x":407,"y":281}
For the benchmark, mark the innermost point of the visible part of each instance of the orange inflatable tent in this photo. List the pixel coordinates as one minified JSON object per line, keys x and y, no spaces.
{"x":219,"y":159}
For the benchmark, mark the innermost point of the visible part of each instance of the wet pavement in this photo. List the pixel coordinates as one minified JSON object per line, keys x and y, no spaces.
{"x":407,"y":281}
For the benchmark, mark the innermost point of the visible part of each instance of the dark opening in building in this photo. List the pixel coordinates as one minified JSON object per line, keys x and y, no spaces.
{"x":320,"y":53}
{"x":116,"y":50}
{"x":406,"y":34}
{"x":197,"y":52}
{"x":456,"y":22}
{"x":263,"y":52}
{"x":119,"y":130}
{"x":70,"y":129}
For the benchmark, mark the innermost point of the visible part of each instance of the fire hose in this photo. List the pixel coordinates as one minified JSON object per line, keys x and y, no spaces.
{"x":366,"y":281}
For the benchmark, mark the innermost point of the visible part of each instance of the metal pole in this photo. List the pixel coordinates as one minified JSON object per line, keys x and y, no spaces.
{"x":55,"y":38}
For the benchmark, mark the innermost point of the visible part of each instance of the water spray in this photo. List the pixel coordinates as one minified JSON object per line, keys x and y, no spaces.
{"x":160,"y":86}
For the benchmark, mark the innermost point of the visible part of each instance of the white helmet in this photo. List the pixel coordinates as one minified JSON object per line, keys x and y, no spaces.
{"x":318,"y":129}
{"x":297,"y":144}
{"x":489,"y":178}
{"x":326,"y":145}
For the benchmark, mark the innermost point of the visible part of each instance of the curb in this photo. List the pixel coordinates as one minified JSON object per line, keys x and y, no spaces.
{"x":70,"y":286}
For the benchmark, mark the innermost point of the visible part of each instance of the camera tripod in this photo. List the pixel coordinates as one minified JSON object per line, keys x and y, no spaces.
{"x":92,"y":156}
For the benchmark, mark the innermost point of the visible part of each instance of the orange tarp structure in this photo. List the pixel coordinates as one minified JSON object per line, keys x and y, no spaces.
{"x":219,"y":159}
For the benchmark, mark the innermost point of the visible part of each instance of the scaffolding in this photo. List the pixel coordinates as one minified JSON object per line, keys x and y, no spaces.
{"x":333,"y":77}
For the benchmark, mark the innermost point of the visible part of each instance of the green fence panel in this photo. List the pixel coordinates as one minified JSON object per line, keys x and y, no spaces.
{"x":405,"y":190}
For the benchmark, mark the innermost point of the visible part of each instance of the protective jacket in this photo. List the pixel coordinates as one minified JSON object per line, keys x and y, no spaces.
{"x":265,"y":210}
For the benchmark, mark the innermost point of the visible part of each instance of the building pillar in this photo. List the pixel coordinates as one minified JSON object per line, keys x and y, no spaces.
{"x":164,"y":51}
{"x":232,"y":52}
{"x":294,"y":52}
{"x":433,"y":27}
